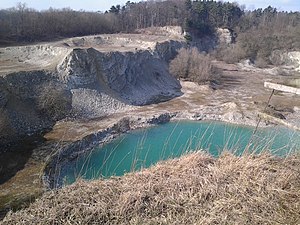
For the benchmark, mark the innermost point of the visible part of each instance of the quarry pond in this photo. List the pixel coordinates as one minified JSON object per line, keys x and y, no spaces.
{"x":142,"y":148}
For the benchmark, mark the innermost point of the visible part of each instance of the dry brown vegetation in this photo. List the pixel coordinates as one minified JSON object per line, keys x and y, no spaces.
{"x":191,"y":65}
{"x":195,"y":189}
{"x":259,"y":44}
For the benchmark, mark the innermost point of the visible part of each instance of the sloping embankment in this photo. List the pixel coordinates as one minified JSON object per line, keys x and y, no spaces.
{"x":195,"y":189}
{"x":80,"y":83}
{"x":133,"y":78}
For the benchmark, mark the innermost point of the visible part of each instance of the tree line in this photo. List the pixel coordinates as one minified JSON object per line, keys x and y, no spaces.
{"x":201,"y":17}
{"x":259,"y":32}
{"x":21,"y":23}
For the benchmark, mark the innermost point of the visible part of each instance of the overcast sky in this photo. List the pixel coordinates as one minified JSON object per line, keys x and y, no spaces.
{"x":102,"y":5}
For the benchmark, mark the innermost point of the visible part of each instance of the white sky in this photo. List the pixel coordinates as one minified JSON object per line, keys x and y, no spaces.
{"x":102,"y":5}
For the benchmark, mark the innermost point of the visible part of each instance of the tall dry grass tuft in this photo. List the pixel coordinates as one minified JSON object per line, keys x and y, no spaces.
{"x":195,"y":189}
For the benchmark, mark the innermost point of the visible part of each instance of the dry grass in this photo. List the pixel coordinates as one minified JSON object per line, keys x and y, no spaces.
{"x":195,"y":189}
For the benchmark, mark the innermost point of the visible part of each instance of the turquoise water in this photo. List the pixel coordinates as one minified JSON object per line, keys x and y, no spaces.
{"x":144,"y":147}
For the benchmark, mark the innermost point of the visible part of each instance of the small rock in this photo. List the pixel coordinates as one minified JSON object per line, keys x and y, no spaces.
{"x":232,"y":116}
{"x":163,"y":118}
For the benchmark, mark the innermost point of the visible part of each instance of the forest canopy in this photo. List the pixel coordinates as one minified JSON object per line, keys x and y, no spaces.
{"x":259,"y":32}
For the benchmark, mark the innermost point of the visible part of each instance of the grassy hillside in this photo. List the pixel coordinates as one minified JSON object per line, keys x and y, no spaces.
{"x":195,"y":189}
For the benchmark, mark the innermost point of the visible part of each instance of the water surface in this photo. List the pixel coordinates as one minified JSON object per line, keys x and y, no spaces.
{"x":144,"y":147}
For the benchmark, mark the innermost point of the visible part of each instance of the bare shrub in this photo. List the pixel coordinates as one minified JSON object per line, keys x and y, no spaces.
{"x":261,"y":61}
{"x":200,"y":69}
{"x":259,"y":43}
{"x":179,"y":66}
{"x":191,"y":65}
{"x":231,"y":53}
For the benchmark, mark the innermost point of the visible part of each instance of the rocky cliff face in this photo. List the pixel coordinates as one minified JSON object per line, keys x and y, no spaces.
{"x":131,"y":78}
{"x":291,"y":59}
{"x":225,"y":36}
{"x":30,"y":102}
{"x":86,"y":83}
